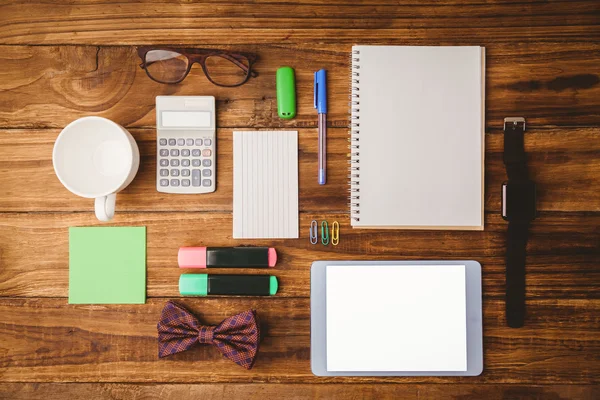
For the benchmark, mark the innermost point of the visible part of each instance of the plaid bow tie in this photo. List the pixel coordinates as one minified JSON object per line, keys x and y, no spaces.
{"x":236,"y":337}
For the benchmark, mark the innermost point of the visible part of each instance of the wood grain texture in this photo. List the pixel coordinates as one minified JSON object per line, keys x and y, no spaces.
{"x":107,"y":81}
{"x":564,"y":162}
{"x":102,"y":22}
{"x":111,"y":391}
{"x":563,"y":251}
{"x":77,"y":343}
{"x":64,"y":59}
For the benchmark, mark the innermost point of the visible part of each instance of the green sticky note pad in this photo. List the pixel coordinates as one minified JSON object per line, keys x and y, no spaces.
{"x":107,"y":265}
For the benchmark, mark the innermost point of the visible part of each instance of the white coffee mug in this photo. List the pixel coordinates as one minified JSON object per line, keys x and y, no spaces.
{"x":95,"y":157}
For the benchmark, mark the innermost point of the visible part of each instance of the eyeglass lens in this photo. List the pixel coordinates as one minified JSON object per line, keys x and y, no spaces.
{"x":227,"y":70}
{"x":166,"y":66}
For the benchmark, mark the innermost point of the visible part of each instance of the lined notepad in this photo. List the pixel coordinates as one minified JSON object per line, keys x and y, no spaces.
{"x":265,"y":185}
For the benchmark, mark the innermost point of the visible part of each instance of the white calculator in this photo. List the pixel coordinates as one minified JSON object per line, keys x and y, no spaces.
{"x":185,"y":144}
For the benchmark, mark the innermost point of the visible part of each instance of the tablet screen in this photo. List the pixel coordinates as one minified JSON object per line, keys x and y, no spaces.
{"x":396,"y":318}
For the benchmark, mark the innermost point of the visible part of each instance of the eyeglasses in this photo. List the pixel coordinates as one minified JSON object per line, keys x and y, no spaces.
{"x":172,"y":65}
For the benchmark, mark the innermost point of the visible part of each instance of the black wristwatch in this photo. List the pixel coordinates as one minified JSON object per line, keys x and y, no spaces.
{"x":519,"y":209}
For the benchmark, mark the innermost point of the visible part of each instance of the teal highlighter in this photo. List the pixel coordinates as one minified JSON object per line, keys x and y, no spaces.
{"x":286,"y":93}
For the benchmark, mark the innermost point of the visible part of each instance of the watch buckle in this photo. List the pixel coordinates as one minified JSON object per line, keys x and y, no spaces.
{"x":515,"y":122}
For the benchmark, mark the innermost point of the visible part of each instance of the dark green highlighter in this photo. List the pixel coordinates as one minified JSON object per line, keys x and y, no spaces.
{"x":286,"y":93}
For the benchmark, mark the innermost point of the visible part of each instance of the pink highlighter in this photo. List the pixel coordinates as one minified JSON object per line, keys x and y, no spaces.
{"x":227,"y":257}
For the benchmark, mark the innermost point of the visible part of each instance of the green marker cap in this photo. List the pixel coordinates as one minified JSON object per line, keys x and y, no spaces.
{"x":286,"y":92}
{"x":273,"y":285}
{"x":193,"y":284}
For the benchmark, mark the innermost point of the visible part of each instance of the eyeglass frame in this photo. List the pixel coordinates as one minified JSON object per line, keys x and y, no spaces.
{"x":199,"y":56}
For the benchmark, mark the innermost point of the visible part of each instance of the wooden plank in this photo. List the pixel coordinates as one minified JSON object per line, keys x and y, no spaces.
{"x":111,"y":391}
{"x":52,"y":341}
{"x":26,"y":22}
{"x":563,"y":251}
{"x":49,"y":86}
{"x":108,"y":15}
{"x":565,"y":164}
{"x":192,"y":36}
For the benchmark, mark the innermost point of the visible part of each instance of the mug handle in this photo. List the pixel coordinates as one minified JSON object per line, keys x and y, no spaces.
{"x":105,"y":207}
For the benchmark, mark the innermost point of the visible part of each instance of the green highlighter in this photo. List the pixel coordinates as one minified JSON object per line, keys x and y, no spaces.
{"x":236,"y":285}
{"x":286,"y":93}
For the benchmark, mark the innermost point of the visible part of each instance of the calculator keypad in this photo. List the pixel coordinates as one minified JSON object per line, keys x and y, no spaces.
{"x":186,"y":165}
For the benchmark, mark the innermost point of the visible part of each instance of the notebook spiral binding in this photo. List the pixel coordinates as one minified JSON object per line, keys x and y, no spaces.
{"x":354,"y":145}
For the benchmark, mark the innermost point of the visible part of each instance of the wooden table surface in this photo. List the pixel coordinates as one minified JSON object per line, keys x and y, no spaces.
{"x":61,"y":60}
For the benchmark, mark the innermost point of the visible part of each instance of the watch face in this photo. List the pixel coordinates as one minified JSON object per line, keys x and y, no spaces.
{"x":518,"y":201}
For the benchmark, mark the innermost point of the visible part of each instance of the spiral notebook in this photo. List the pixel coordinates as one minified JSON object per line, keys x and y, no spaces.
{"x":417,"y":137}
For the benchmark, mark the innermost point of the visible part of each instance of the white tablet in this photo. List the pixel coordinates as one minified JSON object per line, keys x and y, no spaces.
{"x":396,"y":318}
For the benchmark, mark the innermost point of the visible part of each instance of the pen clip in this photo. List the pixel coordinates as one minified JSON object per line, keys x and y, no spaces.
{"x":316,"y":90}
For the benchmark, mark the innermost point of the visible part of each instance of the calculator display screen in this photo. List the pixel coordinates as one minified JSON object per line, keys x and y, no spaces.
{"x":185,"y":119}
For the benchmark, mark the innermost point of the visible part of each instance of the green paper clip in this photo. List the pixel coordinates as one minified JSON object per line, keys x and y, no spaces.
{"x":324,"y":233}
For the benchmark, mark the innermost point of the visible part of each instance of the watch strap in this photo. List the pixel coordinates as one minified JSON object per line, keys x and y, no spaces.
{"x":516,"y":244}
{"x":514,"y":157}
{"x":515,"y":160}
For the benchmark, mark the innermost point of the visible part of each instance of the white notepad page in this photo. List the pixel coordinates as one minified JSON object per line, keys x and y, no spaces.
{"x":420,"y":116}
{"x":396,"y":318}
{"x":265,"y":184}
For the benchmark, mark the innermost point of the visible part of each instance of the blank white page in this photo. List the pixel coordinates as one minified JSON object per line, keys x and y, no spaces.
{"x":421,"y":116}
{"x":396,"y":318}
{"x":265,"y":184}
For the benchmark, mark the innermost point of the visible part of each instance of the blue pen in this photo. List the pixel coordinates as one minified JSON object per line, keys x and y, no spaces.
{"x":321,"y":106}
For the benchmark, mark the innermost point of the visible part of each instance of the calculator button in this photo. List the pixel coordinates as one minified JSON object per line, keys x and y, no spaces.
{"x":180,"y":142}
{"x":206,"y":182}
{"x":174,"y":163}
{"x":196,"y":152}
{"x":185,"y":163}
{"x":185,"y":153}
{"x":195,"y":163}
{"x":164,"y":152}
{"x":172,"y":142}
{"x":174,"y":182}
{"x":185,"y":172}
{"x":198,"y":142}
{"x":164,"y":172}
{"x":206,"y":172}
{"x":174,"y":172}
{"x":174,"y":153}
{"x":206,"y":153}
{"x":185,"y":182}
{"x":163,"y":142}
{"x":164,"y":162}
{"x":207,"y":142}
{"x":196,"y":177}
{"x":189,"y":142}
{"x":164,"y":182}
{"x":206,"y":163}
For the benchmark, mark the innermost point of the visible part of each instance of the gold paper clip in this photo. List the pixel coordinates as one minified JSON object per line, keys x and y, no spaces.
{"x":313,"y":232}
{"x":324,"y":233}
{"x":335,"y":233}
